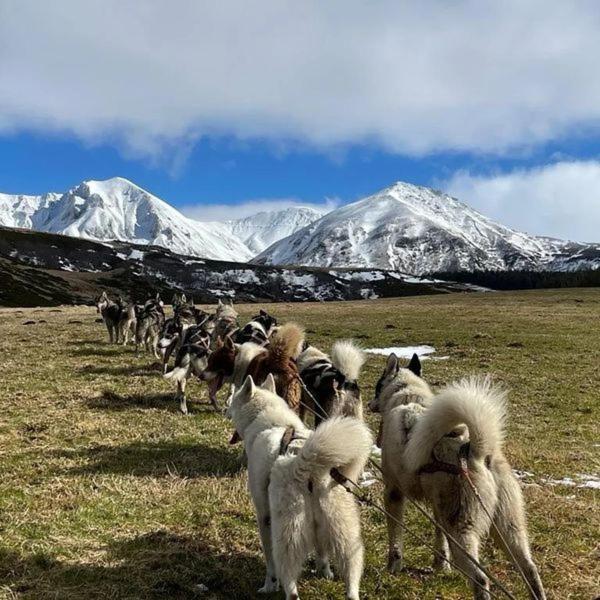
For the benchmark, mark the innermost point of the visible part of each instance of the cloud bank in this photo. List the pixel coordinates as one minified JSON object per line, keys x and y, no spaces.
{"x":559,"y":200}
{"x":153,"y":77}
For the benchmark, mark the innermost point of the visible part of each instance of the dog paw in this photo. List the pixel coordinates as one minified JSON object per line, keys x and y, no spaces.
{"x":442,"y":566}
{"x":394,"y":566}
{"x":269,"y":587}
{"x":327,"y":573}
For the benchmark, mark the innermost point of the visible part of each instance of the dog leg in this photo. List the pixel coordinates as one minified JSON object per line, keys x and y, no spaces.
{"x":470,"y":542}
{"x":155,"y":347}
{"x":291,"y":540}
{"x":440,"y":559}
{"x":323,"y":566}
{"x":264,"y":526}
{"x":394,"y":505}
{"x":352,"y":564}
{"x":214,"y":402}
{"x":510,"y":521}
{"x":181,"y":395}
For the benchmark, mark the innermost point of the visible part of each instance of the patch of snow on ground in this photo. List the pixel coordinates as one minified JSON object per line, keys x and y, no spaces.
{"x":404,"y":351}
{"x":219,"y":293}
{"x":136,"y":255}
{"x":522,"y":474}
{"x":581,"y":481}
{"x":368,"y":294}
{"x":367,"y":479}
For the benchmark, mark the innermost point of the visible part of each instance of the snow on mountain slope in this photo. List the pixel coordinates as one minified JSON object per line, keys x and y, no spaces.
{"x":117,"y":209}
{"x":18,"y":210}
{"x":416,"y":230}
{"x":261,"y":230}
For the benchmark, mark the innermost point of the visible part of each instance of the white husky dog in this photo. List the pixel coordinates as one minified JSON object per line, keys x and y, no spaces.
{"x":427,"y":441}
{"x":299,"y":508}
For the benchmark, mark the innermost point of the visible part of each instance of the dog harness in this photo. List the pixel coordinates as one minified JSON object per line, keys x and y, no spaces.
{"x":439,"y":466}
{"x":290,"y":443}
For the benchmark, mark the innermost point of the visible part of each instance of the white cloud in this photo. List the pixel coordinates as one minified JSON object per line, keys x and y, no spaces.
{"x":560,"y":200}
{"x":225,"y":212}
{"x":410,"y":77}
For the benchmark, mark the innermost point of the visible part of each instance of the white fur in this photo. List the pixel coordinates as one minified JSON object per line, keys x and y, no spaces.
{"x":295,"y":516}
{"x":347,"y":358}
{"x":243,"y":357}
{"x":474,"y":402}
{"x":415,"y":433}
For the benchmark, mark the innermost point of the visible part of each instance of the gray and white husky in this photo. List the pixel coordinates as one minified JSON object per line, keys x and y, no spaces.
{"x":427,"y":443}
{"x":150,"y":319}
{"x":118,"y":317}
{"x":299,"y":507}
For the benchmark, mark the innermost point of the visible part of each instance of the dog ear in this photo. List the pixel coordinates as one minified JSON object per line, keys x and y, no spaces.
{"x":230,"y":301}
{"x":182,"y":299}
{"x":248,"y":389}
{"x":263,"y":313}
{"x":229,"y":343}
{"x":392,"y":365}
{"x":192,"y":301}
{"x":219,"y":303}
{"x":415,"y":365}
{"x":269,"y":384}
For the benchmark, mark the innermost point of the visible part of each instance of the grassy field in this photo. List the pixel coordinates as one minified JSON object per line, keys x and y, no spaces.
{"x":106,"y":491}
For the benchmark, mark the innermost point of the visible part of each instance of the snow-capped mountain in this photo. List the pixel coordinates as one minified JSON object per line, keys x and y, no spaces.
{"x":419,"y":230}
{"x":261,"y":230}
{"x":117,"y":209}
{"x":405,"y":227}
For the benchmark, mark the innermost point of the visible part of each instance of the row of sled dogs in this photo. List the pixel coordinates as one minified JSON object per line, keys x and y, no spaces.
{"x":280,"y":384}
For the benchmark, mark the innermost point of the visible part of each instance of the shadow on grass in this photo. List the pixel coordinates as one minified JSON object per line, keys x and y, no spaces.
{"x":112,"y":401}
{"x":151,"y":370}
{"x":97,"y":350}
{"x":155,"y":565}
{"x":159,"y":459}
{"x":88,"y":342}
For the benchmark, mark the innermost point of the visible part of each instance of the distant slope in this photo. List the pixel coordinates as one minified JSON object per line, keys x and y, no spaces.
{"x":419,"y":230}
{"x":263,"y":229}
{"x":47,"y":269}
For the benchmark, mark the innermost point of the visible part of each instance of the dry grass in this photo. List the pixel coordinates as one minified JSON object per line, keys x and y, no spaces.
{"x":107,"y":492}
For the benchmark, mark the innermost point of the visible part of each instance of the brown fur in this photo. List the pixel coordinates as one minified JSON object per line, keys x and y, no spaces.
{"x":279,"y":360}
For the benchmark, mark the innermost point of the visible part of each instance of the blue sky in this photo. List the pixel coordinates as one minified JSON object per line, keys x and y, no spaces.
{"x":241,"y":105}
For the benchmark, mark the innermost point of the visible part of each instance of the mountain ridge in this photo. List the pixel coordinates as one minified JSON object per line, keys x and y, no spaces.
{"x":404,"y":227}
{"x":420,"y":230}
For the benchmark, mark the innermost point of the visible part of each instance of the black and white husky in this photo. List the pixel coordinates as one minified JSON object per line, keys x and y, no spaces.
{"x":119,"y":318}
{"x":332,"y":382}
{"x":193,"y":347}
{"x":179,"y":330}
{"x":258,"y":330}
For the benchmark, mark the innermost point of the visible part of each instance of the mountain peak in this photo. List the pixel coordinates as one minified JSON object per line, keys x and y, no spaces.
{"x":414,"y":229}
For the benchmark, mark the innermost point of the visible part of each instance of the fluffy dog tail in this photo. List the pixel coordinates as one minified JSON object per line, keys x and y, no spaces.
{"x":182,"y":366}
{"x":341,"y":442}
{"x":347,"y":358}
{"x":474,"y":402}
{"x":286,"y":343}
